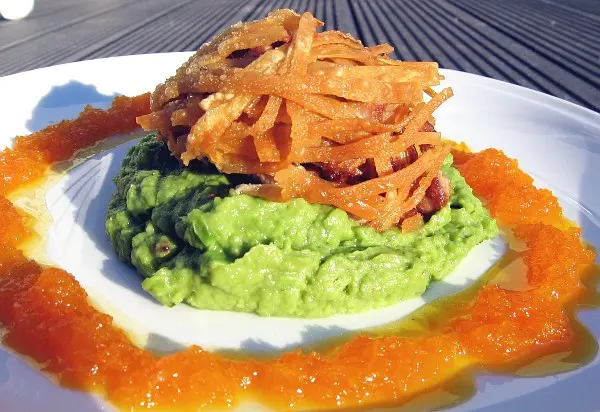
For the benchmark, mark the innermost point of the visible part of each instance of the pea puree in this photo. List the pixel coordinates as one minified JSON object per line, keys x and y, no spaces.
{"x":195,"y":240}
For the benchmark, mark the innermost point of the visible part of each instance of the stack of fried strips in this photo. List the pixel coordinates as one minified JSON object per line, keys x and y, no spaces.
{"x":270,"y":97}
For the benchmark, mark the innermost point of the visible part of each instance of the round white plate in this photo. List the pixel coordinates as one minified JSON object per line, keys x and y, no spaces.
{"x":555,"y":141}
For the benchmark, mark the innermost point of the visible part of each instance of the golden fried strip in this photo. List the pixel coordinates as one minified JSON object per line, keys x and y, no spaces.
{"x":336,"y":37}
{"x":333,"y":128}
{"x":350,"y":88}
{"x":256,"y":38}
{"x":262,"y":130}
{"x":382,"y":145}
{"x":424,"y":73}
{"x":299,"y":51}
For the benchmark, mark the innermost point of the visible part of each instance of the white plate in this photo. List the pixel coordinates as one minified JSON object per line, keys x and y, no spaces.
{"x":557,"y":142}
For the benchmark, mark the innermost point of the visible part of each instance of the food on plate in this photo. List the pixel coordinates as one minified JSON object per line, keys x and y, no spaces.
{"x":197,"y":240}
{"x":306,"y":178}
{"x":47,"y":317}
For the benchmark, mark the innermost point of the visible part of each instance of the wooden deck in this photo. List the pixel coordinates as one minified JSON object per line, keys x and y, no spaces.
{"x":548,"y":45}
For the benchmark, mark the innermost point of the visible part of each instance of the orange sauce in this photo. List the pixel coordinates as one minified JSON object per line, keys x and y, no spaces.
{"x":33,"y":154}
{"x":46,"y":315}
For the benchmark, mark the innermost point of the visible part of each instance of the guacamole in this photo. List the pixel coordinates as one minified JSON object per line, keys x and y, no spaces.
{"x":195,"y":240}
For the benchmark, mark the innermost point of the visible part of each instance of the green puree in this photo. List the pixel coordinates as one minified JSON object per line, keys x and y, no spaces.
{"x":196,"y":241}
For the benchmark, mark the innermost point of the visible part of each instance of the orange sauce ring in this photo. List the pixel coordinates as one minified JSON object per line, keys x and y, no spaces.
{"x":46,"y":315}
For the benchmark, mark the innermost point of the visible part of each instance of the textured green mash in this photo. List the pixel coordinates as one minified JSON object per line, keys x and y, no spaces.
{"x":195,"y":240}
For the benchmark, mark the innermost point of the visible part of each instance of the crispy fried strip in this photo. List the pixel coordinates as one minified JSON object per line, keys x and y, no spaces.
{"x":351,"y":88}
{"x":266,"y":147}
{"x":298,"y":182}
{"x":383,"y":166}
{"x":234,"y":163}
{"x":419,"y":119}
{"x":239,"y":140}
{"x":155,"y":121}
{"x":425,"y":182}
{"x":186,"y":116}
{"x":253,"y":38}
{"x":256,"y":107}
{"x":325,"y":106}
{"x":336,"y":37}
{"x":334,"y":129}
{"x":412,"y":223}
{"x":299,"y":51}
{"x":399,"y":209}
{"x":387,"y":216}
{"x":262,"y":130}
{"x":381,"y":49}
{"x":425,"y":73}
{"x":268,"y":116}
{"x":203,"y":82}
{"x":343,"y":51}
{"x":299,"y":129}
{"x":382,"y":145}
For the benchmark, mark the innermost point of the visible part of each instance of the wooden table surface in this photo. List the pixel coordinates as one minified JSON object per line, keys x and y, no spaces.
{"x":549,"y":45}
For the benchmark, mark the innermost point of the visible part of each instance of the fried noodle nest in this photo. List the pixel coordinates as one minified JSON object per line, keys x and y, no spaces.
{"x":276,"y":99}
